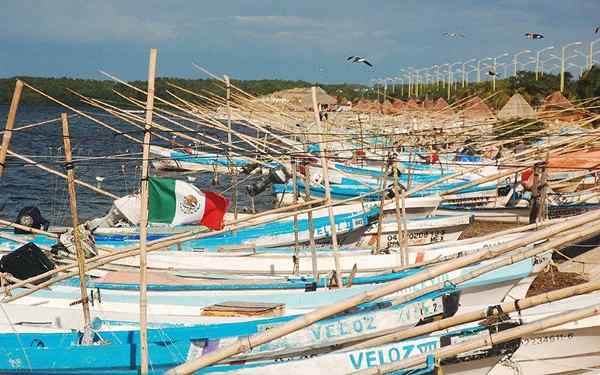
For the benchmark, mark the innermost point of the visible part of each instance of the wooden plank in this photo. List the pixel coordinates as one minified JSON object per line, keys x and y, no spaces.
{"x":241,"y":308}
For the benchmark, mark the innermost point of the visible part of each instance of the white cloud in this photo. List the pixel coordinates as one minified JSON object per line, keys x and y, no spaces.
{"x":83,"y":21}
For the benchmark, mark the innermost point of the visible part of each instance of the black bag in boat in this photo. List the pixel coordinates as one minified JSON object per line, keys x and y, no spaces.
{"x":25,"y":262}
{"x":31,"y":216}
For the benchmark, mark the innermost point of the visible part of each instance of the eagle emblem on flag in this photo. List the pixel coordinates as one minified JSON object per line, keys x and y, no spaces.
{"x":189,"y":205}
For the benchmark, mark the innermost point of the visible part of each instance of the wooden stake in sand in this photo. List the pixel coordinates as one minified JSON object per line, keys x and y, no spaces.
{"x":144,"y":216}
{"x":87,"y":327}
{"x":10,"y":123}
{"x":232,"y":168}
{"x":324,"y":165}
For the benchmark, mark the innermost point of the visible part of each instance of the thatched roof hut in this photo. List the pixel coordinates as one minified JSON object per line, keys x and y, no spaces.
{"x":476,"y":109}
{"x":557,"y":107}
{"x":428,"y":104}
{"x":442,"y":105}
{"x":301,"y":97}
{"x":516,"y":108}
{"x":412,"y":104}
{"x":398,"y":104}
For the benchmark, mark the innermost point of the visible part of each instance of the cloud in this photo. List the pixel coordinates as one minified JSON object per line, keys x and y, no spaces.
{"x":73,"y":21}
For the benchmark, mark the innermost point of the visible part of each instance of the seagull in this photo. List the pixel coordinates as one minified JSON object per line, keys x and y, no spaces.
{"x":454,"y":35}
{"x":530,"y":35}
{"x":99,"y":178}
{"x":491,"y":73}
{"x":359,"y":59}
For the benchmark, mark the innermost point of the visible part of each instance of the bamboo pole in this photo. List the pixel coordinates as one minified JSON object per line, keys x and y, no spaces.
{"x":470,"y":317}
{"x":483,"y":180}
{"x":486,"y":341}
{"x":229,"y":146}
{"x":389,"y":288}
{"x":87,"y":327}
{"x":144,"y":216}
{"x":384,"y":173}
{"x":400,"y":215}
{"x":52,"y":171}
{"x":83,"y":114}
{"x":295,"y":201}
{"x":325,"y":166}
{"x":28,"y":229}
{"x":311,"y":224}
{"x":10,"y":123}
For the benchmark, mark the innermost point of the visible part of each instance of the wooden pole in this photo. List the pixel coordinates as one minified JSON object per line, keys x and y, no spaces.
{"x":324,"y":165}
{"x":474,"y":316}
{"x":543,"y":212}
{"x":388,"y":288}
{"x":399,"y":215}
{"x":384,"y":172}
{"x":144,"y":216}
{"x":311,"y":224}
{"x":295,"y":202}
{"x":87,"y":327}
{"x":233,"y":168}
{"x":487,"y":341}
{"x":10,"y":123}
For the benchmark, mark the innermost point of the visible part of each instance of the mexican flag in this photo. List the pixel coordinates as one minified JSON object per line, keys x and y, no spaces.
{"x":178,"y":202}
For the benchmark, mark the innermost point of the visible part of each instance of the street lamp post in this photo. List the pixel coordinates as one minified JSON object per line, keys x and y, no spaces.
{"x":537,"y":60}
{"x":516,"y":60}
{"x":479,"y":68}
{"x":464,"y":72}
{"x":580,"y":67}
{"x":437,"y":74}
{"x":494,"y":68}
{"x":450,"y":76}
{"x":591,"y":55}
{"x":562,"y":64}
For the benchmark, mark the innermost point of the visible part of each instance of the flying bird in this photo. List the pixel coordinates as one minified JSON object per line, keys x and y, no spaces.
{"x":491,"y":73}
{"x":597,"y":30}
{"x":358,"y":60}
{"x":454,"y":35}
{"x":532,"y":36}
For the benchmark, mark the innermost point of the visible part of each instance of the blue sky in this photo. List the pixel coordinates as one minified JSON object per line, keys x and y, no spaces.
{"x":251,"y":39}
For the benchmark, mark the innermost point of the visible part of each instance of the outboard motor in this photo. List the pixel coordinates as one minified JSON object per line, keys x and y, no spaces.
{"x":25,"y":262}
{"x":277,"y":175}
{"x":31,"y":216}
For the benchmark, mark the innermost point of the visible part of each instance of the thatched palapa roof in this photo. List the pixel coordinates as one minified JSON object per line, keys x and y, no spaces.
{"x":516,"y":108}
{"x":301,"y":97}
{"x":476,"y":109}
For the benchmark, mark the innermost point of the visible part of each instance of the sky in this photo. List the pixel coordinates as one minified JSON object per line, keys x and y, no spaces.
{"x":256,"y":39}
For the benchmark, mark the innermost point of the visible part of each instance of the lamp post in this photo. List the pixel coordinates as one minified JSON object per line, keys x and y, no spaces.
{"x":562,"y":64}
{"x":464,"y":72}
{"x":516,"y":60}
{"x":410,"y":80}
{"x":494,"y":67}
{"x":401,"y":85}
{"x":450,"y":76}
{"x":580,"y":67}
{"x":437,"y":74}
{"x":479,"y":68}
{"x":591,"y":55}
{"x":443,"y":79}
{"x":375,"y":86}
{"x":537,"y":60}
{"x":542,"y":62}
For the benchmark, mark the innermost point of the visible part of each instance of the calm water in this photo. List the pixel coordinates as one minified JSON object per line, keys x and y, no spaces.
{"x":25,"y":185}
